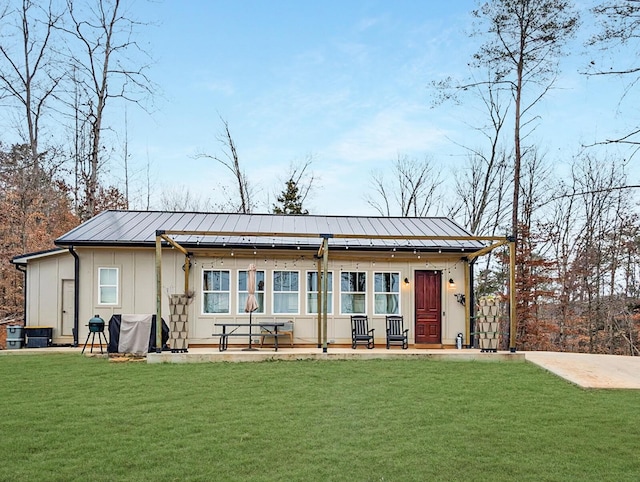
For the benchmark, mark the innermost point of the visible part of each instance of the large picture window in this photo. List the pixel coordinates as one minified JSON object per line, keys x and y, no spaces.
{"x":353,"y":293}
{"x":387,"y":293}
{"x":314,"y":286}
{"x":108,"y":286}
{"x":215,"y":291}
{"x":285,"y":292}
{"x":243,"y":292}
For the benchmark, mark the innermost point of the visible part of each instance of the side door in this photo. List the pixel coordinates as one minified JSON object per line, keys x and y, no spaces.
{"x":68,"y":293}
{"x":428,"y":303}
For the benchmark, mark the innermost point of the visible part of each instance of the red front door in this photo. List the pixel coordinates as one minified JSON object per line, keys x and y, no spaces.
{"x":428,"y":307}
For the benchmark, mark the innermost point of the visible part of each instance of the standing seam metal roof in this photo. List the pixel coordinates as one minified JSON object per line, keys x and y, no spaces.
{"x":138,"y":228}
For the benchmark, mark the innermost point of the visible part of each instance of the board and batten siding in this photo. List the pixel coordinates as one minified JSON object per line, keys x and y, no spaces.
{"x":44,"y":287}
{"x":137,"y":291}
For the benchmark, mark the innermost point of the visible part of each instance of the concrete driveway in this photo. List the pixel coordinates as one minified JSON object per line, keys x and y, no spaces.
{"x":590,"y":371}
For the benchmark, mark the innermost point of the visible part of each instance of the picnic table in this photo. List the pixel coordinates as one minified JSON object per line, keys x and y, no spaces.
{"x":231,"y":329}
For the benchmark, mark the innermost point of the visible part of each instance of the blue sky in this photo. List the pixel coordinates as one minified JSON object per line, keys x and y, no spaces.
{"x":345,"y":82}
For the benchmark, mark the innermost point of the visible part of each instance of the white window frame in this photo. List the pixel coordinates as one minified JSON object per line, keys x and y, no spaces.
{"x":242,"y":293}
{"x":220,"y":291}
{"x":351,"y":293}
{"x":102,"y":285}
{"x":314,"y":292}
{"x":377,"y":293}
{"x":275,"y":292}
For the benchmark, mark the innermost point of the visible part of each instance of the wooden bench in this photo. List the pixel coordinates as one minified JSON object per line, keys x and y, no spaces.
{"x":286,"y":329}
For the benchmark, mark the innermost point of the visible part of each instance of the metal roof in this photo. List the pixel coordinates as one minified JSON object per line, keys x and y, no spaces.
{"x":138,"y":228}
{"x":24,"y":258}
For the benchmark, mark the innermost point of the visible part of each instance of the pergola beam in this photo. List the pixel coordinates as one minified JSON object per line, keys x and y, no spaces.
{"x":323,"y":256}
{"x":422,"y":237}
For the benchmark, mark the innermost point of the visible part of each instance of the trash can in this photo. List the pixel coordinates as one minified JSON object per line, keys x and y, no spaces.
{"x":14,"y":337}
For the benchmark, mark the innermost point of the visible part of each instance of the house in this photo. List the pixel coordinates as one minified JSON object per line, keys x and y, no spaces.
{"x":131,"y":261}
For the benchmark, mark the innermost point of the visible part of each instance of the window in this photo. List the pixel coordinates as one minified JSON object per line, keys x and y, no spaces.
{"x":215,"y":291}
{"x":353,"y":288}
{"x":387,"y":293}
{"x":107,"y":286}
{"x":313,"y":286}
{"x":285,"y":292}
{"x":243,"y":294}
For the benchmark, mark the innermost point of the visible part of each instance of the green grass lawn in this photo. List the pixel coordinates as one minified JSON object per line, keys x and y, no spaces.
{"x":67,"y":417}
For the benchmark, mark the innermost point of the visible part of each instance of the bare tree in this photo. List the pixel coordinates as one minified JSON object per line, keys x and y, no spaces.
{"x":231,"y":162}
{"x":619,"y":22}
{"x":597,"y":253}
{"x":481,"y":185}
{"x":481,"y":193}
{"x":180,"y":198}
{"x":30,"y":73}
{"x":104,"y":39}
{"x":526,"y":37}
{"x":412,"y":191}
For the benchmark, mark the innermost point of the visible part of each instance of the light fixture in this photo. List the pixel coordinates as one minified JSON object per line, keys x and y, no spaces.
{"x":451,"y":282}
{"x":406,"y":281}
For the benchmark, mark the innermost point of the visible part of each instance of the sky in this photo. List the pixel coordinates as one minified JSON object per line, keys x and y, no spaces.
{"x":345,"y":83}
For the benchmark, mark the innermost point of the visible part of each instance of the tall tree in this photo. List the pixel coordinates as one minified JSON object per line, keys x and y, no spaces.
{"x":524,"y":41}
{"x":480,"y":186}
{"x":34,"y":209}
{"x":619,"y":22}
{"x":231,"y":161}
{"x":30,"y":71}
{"x":104,"y":35}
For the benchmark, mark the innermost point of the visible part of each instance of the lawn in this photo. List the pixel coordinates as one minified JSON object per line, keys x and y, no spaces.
{"x":67,"y":417}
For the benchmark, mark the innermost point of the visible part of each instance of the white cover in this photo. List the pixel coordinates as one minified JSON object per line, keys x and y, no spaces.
{"x":135,"y":331}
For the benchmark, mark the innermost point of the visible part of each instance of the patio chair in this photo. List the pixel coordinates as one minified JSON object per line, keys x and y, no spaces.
{"x":360,"y":332}
{"x":396,"y":332}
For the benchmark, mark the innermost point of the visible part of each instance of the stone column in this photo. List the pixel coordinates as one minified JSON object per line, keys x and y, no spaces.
{"x":488,"y":317}
{"x":179,"y":323}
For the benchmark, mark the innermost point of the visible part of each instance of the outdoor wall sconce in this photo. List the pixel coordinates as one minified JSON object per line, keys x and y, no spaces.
{"x":406,"y":281}
{"x":451,"y":283}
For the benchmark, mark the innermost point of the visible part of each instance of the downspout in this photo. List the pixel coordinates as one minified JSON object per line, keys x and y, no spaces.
{"x":23,"y":270}
{"x":76,"y":294}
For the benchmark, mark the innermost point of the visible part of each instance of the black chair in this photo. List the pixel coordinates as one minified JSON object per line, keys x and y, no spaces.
{"x":396,"y":333}
{"x":360,"y":332}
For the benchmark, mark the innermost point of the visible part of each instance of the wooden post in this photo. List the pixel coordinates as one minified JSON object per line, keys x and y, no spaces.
{"x":325,"y":291}
{"x":467,"y":302}
{"x":320,"y":298}
{"x":158,"y":292}
{"x":512,"y":296}
{"x":187,"y":262}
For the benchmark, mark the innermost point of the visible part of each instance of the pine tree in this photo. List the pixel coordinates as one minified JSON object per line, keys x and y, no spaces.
{"x":290,"y":201}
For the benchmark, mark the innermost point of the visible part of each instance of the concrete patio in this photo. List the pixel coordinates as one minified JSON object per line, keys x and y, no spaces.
{"x":240,"y":354}
{"x":582,"y":369}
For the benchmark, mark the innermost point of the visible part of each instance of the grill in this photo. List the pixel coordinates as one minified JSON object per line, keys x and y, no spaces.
{"x":96,"y":326}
